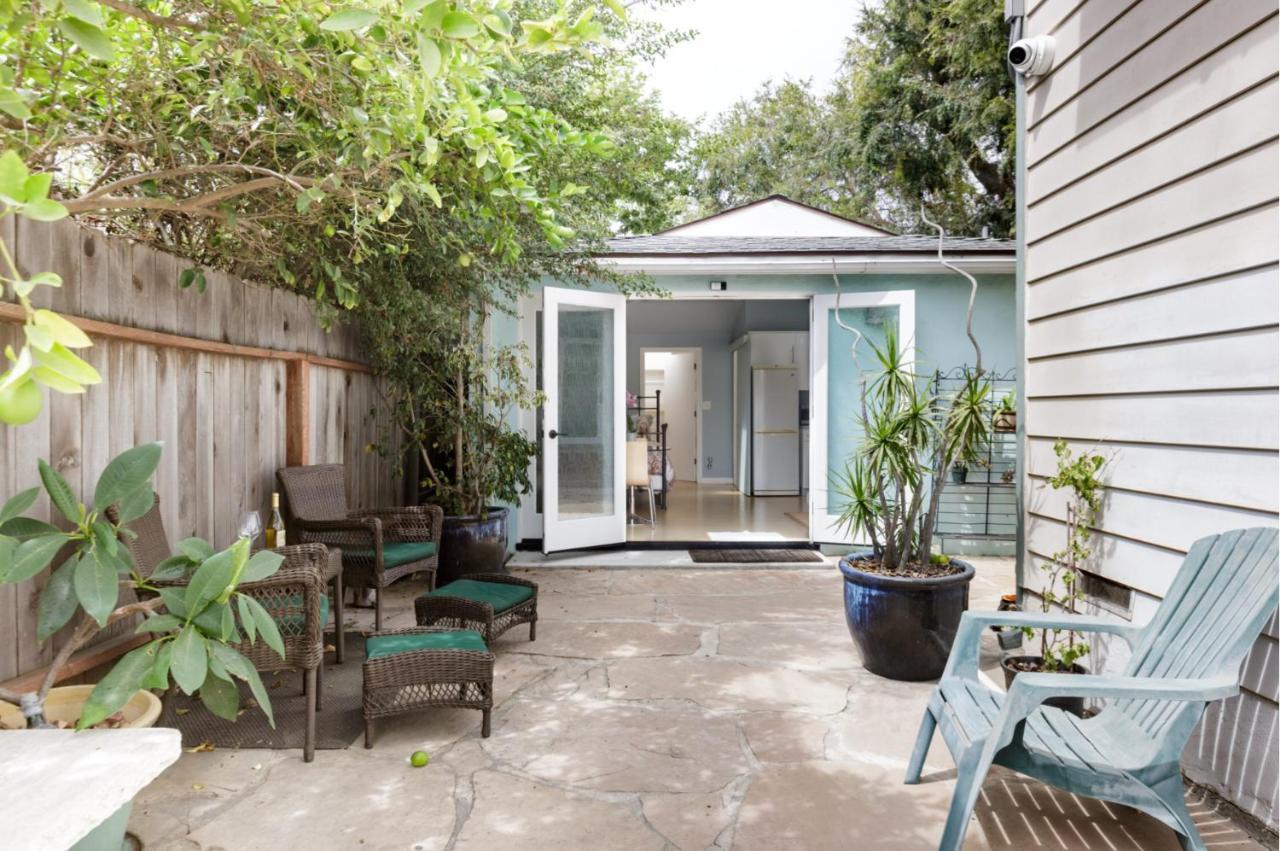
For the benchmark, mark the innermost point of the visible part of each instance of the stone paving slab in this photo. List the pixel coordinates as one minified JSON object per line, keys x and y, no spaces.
{"x":674,"y":710}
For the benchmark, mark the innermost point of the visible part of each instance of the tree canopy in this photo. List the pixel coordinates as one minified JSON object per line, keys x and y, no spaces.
{"x":922,"y":111}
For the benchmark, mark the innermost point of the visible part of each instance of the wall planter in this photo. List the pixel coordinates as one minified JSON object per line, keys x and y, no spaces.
{"x":65,"y":703}
{"x":1013,"y":665}
{"x":959,"y":473}
{"x":1005,"y":421}
{"x":904,"y":626}
{"x":471,"y":544}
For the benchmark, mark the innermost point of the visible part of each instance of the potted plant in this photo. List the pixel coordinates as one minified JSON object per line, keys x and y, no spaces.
{"x":1060,"y":652}
{"x":902,"y":603}
{"x":95,"y":585}
{"x":1006,"y":416}
{"x":959,"y":473}
{"x":454,"y":397}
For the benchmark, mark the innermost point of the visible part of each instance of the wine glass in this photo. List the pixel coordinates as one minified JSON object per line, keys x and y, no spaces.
{"x":250,"y":525}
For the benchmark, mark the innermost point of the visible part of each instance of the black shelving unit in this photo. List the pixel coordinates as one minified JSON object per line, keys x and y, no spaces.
{"x":984,"y":507}
{"x":657,"y":437}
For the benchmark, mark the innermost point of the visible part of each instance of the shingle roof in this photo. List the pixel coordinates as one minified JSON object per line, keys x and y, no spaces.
{"x":674,"y":244}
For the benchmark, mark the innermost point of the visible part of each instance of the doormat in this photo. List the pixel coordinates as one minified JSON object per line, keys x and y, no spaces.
{"x":339,"y":721}
{"x":755,"y":556}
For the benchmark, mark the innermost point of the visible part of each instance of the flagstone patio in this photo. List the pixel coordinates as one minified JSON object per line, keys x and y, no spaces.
{"x":658,"y":709}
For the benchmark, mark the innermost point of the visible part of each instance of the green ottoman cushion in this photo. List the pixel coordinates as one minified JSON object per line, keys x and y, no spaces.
{"x":500,"y":595}
{"x":397,"y":553}
{"x":387,"y":645}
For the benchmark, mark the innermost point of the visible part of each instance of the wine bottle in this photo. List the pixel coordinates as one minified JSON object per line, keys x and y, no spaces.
{"x":275,"y":530}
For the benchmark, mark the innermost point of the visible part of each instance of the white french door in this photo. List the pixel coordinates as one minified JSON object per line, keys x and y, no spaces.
{"x":584,"y":362}
{"x":834,"y":405}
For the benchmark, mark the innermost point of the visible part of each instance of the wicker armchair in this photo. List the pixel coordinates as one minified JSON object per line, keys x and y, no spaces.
{"x":295,"y":595}
{"x":378,"y":545}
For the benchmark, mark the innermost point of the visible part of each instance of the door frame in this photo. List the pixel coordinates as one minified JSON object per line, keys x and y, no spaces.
{"x":823,"y":524}
{"x":698,"y":394}
{"x":602,"y":530}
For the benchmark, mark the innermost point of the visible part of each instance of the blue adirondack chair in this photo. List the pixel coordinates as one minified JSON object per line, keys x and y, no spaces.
{"x":1189,"y":654}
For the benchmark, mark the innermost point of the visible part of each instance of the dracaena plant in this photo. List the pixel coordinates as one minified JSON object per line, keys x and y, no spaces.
{"x":193,"y":624}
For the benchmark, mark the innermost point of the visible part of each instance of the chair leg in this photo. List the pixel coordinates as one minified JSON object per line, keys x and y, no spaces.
{"x":320,"y":683}
{"x":923,"y":740}
{"x":484,"y":724}
{"x":631,"y":504}
{"x":309,"y":743}
{"x":533,"y":630}
{"x":971,"y":770}
{"x":377,"y":609}
{"x":653,"y":514}
{"x":339,"y":630}
{"x":1171,"y":795}
{"x":368,"y":732}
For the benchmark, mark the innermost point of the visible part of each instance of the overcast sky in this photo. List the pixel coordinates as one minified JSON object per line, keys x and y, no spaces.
{"x":743,"y":43}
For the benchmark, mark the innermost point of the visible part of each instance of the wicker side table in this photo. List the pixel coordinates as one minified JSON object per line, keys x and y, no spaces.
{"x":408,"y":680}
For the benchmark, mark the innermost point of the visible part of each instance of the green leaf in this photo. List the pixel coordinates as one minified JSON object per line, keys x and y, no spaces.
{"x":115,"y":689}
{"x":174,"y":601}
{"x":8,"y":546}
{"x":157,"y":676}
{"x":159,"y":623}
{"x":89,"y":38}
{"x":25,"y":528}
{"x":58,"y":600}
{"x":190,"y":662}
{"x":264,"y":563}
{"x":348,"y":19}
{"x":266,"y":624}
{"x":13,"y":177}
{"x":196,"y":549}
{"x":34,"y":555}
{"x":84,"y":10}
{"x":97,"y":585}
{"x":221,"y":697}
{"x":241,"y":667}
{"x":187,"y":278}
{"x":174,"y":567}
{"x":61,"y":329}
{"x":62,"y":360}
{"x":459,"y":25}
{"x":43,"y":210}
{"x":136,"y":504}
{"x":104,"y":539}
{"x":246,"y":618}
{"x":12,"y":104}
{"x":18,"y":503}
{"x":127,"y":472}
{"x":429,"y":55}
{"x":210,"y":579}
{"x":617,"y":8}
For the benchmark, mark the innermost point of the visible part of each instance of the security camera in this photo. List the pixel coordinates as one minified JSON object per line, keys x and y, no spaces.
{"x":1032,"y":57}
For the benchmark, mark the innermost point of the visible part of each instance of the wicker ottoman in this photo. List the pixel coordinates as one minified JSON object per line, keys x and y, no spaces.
{"x":490,"y":603}
{"x":421,"y":667}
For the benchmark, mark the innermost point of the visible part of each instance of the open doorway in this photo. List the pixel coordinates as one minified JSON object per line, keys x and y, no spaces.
{"x":694,"y":367}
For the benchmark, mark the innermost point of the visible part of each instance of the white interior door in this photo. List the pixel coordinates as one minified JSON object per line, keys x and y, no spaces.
{"x":584,"y":363}
{"x":834,"y":405}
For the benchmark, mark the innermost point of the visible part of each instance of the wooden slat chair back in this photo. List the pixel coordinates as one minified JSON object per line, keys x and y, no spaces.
{"x":1188,"y":655}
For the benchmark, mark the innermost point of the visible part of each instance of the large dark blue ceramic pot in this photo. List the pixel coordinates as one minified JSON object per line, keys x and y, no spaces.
{"x":473,"y":545}
{"x":904,"y":626}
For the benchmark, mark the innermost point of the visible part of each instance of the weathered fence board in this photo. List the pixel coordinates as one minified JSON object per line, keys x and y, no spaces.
{"x":221,"y":413}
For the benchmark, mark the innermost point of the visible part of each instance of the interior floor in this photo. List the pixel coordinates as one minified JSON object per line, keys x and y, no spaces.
{"x":719,"y":512}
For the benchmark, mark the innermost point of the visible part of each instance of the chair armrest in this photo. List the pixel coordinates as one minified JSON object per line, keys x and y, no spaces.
{"x":410,"y":523}
{"x":963,"y":661}
{"x":1034,"y":687}
{"x":349,"y":532}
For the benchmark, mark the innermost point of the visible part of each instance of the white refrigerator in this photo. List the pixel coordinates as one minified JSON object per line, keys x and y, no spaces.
{"x":775,"y":431}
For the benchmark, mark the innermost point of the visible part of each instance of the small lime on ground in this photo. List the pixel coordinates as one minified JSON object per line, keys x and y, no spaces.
{"x":419,"y":759}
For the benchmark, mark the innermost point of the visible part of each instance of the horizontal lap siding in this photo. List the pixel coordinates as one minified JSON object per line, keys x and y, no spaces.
{"x":1151,"y":307}
{"x":221,"y":417}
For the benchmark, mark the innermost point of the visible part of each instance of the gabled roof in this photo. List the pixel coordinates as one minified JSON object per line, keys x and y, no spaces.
{"x":775,"y":216}
{"x":678,"y":245}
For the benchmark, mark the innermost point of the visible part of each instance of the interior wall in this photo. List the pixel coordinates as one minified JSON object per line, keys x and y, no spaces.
{"x":680,"y":399}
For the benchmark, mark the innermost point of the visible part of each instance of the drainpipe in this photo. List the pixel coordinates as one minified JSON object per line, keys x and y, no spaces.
{"x":1015,"y":18}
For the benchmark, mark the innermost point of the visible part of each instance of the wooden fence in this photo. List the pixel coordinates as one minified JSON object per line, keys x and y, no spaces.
{"x":237,"y":382}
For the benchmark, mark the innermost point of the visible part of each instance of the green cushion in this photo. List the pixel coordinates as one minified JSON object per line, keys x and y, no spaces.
{"x":387,"y":645}
{"x":500,"y":595}
{"x":397,"y":553}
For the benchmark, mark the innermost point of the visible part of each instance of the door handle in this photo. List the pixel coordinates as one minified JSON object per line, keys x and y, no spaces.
{"x":553,"y":434}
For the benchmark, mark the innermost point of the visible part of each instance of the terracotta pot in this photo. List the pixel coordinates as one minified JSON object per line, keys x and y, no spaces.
{"x":904,"y":626}
{"x":1074,"y":705}
{"x":65,"y":704}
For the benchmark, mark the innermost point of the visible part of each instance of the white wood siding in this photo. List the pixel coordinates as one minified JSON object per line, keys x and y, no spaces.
{"x":1151,"y":307}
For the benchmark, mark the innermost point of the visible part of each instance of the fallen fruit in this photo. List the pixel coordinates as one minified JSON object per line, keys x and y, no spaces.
{"x":21,"y":404}
{"x":419,"y":759}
